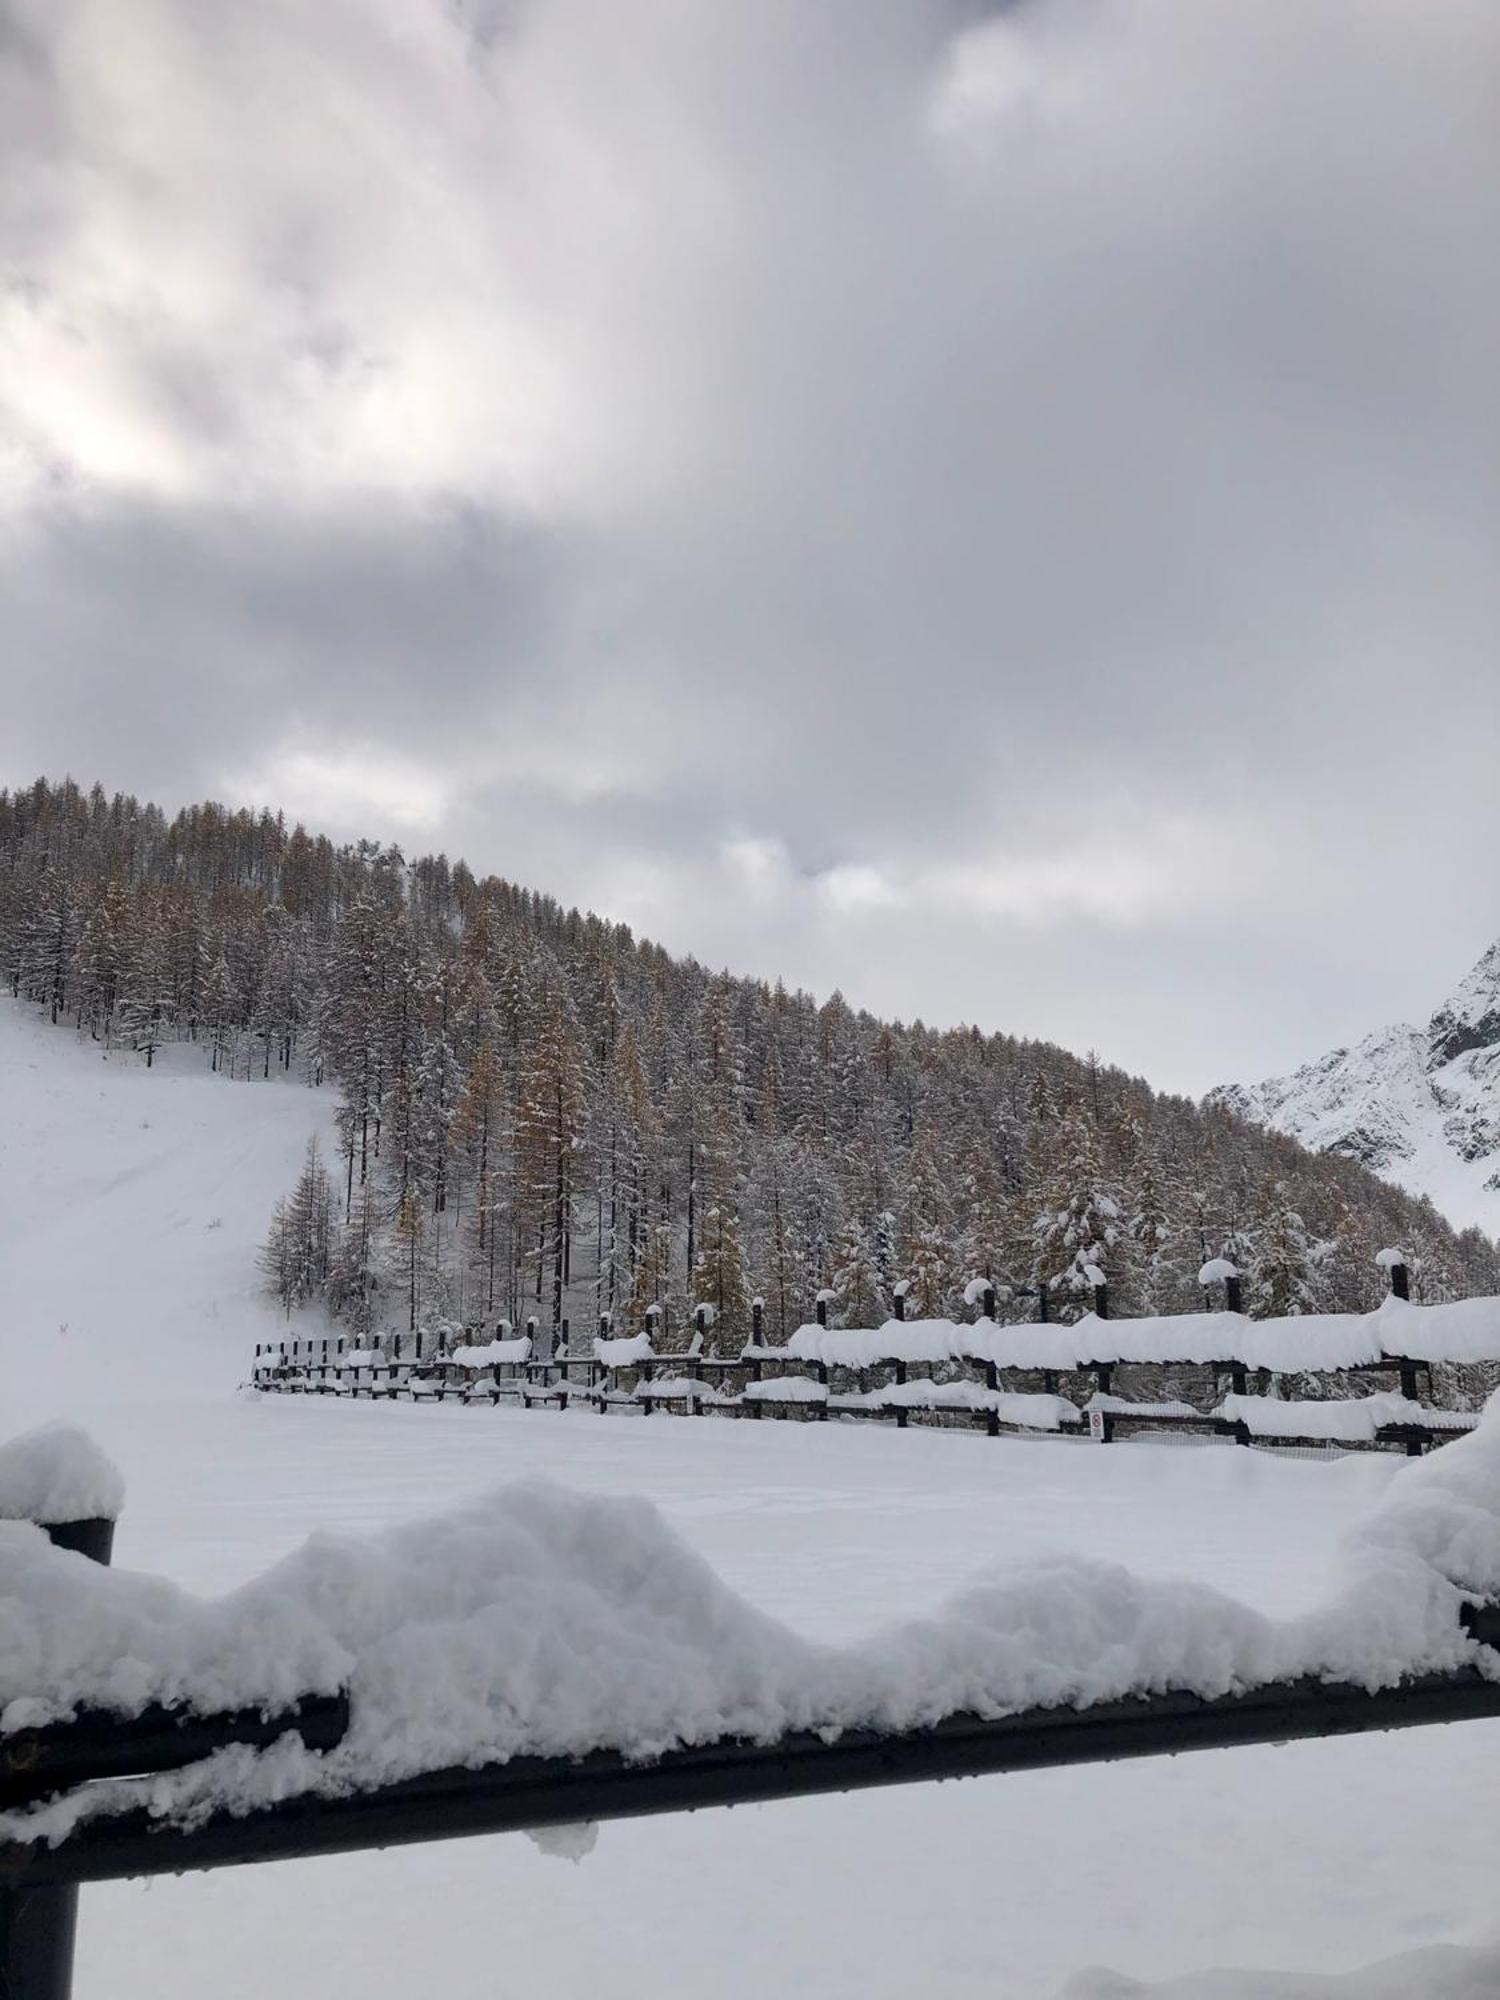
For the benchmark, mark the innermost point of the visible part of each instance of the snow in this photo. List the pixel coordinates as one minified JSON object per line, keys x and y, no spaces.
{"x":625,"y":1353}
{"x":674,"y":1388}
{"x":1122,"y":1406}
{"x":1464,"y":1330}
{"x":493,"y":1354}
{"x":1390,"y":1259}
{"x":975,"y":1290}
{"x":1037,"y":1413}
{"x":1315,"y":1856}
{"x":1354,"y":1419}
{"x":58,"y":1474}
{"x":1216,"y":1271}
{"x":785,"y":1389}
{"x":1432,"y":1972}
{"x":872,"y":1347}
{"x":1460,"y":1330}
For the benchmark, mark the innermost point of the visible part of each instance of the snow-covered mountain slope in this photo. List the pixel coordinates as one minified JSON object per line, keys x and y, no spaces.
{"x":1419,"y":1105}
{"x":132,"y":1204}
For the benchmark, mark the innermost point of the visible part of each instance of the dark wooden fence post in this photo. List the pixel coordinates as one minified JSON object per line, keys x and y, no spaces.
{"x":987,"y":1302}
{"x":820,"y":1308}
{"x":1101,"y":1300}
{"x":757,"y":1322}
{"x":898,"y":1302}
{"x":38,"y":1922}
{"x":695,"y":1356}
{"x":1393,"y":1262}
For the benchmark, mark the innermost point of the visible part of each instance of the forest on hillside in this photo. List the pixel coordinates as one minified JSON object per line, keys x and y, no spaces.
{"x":539,"y":1113}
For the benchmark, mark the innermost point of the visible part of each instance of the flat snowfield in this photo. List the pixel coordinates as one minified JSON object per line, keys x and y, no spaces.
{"x":130,"y":1209}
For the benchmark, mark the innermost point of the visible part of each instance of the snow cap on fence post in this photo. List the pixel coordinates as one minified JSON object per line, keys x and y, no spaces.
{"x":1393,"y":1263}
{"x":898,"y":1297}
{"x":981,"y":1293}
{"x":58,"y":1479}
{"x":1219,"y":1270}
{"x":1100,"y":1287}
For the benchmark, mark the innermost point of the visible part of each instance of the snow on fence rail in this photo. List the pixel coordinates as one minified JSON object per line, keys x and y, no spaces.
{"x":540,"y":1657}
{"x":1373,"y":1374}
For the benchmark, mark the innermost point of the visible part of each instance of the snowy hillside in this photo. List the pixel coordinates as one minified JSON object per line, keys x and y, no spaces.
{"x":1420,"y":1106}
{"x":132,"y":1205}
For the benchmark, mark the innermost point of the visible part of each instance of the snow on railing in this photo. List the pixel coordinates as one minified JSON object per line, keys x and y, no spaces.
{"x":624,"y":1353}
{"x":520,"y":1626}
{"x":541,"y":1659}
{"x":492,"y":1354}
{"x":1352,"y":1419}
{"x":1461,"y":1330}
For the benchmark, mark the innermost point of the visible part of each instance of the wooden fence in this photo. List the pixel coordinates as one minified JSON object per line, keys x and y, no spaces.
{"x":1191,"y":1377}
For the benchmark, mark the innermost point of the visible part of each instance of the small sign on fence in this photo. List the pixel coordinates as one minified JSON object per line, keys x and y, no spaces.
{"x":1096,"y":1426}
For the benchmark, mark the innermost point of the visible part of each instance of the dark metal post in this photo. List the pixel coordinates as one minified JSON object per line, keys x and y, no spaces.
{"x":898,"y":1304}
{"x":757,"y":1322}
{"x":1101,"y":1301}
{"x":1233,"y":1297}
{"x":987,"y":1302}
{"x":1400,"y":1281}
{"x":820,"y":1308}
{"x":39,"y":1921}
{"x":1041,"y":1302}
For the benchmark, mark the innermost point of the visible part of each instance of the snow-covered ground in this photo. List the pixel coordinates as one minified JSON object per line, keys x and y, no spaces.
{"x":130,"y":1207}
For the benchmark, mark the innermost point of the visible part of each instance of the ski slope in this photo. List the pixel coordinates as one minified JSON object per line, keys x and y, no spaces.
{"x":130,"y":1208}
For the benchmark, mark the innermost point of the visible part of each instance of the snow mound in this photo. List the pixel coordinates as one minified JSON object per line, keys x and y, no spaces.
{"x":58,"y":1474}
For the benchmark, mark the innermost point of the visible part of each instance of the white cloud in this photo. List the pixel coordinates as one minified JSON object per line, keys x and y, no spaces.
{"x":350,"y":788}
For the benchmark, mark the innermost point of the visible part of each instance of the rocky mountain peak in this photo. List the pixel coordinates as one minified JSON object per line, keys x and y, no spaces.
{"x":1420,"y":1106}
{"x":1471,"y":1018}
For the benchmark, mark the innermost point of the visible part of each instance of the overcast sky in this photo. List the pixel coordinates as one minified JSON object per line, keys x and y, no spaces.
{"x":993,"y":508}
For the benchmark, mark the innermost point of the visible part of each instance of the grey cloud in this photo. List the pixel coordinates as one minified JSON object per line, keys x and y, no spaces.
{"x":1037,"y":441}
